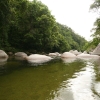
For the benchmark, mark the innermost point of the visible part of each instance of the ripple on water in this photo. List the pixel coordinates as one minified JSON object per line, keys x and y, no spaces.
{"x":79,"y":87}
{"x":50,"y":81}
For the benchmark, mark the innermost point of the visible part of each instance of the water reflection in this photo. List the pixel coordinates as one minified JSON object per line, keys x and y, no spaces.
{"x":3,"y":61}
{"x":92,"y":59}
{"x":79,"y":87}
{"x":68,"y":60}
{"x":96,"y":88}
{"x":82,"y":84}
{"x":19,"y":58}
{"x":55,"y":80}
{"x":96,"y":84}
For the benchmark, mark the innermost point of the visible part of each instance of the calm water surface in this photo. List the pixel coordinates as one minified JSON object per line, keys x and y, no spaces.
{"x":59,"y":79}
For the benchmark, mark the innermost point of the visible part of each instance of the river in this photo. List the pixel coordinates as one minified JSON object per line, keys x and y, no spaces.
{"x":59,"y":79}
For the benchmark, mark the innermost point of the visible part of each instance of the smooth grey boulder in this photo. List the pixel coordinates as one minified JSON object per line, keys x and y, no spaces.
{"x":20,"y":56}
{"x":96,"y":50}
{"x":87,"y":56}
{"x":3,"y":54}
{"x":67,"y":55}
{"x":75,"y":52}
{"x":84,"y":55}
{"x":85,"y":52}
{"x":37,"y":58}
{"x":3,"y":58}
{"x":54,"y":54}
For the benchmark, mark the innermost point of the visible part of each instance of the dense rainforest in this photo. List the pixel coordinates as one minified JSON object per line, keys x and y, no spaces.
{"x":30,"y":26}
{"x":96,"y":29}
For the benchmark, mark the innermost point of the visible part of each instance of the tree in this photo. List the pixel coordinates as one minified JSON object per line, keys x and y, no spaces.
{"x":32,"y":25}
{"x":4,"y":22}
{"x":95,"y":5}
{"x":96,"y":29}
{"x":69,"y":39}
{"x":29,"y":26}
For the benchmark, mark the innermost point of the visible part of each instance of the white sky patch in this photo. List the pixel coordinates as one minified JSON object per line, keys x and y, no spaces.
{"x":74,"y":14}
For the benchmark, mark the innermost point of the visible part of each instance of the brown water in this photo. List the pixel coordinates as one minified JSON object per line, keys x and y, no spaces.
{"x":59,"y":79}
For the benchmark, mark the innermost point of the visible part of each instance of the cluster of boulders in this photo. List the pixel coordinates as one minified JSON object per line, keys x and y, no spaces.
{"x":78,"y":55}
{"x":74,"y":53}
{"x":37,"y":58}
{"x":33,"y":58}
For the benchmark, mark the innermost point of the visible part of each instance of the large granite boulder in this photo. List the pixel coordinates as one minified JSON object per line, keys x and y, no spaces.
{"x":88,"y":57}
{"x":3,"y":58}
{"x":37,"y":58}
{"x":67,"y":55}
{"x":75,"y":52}
{"x":84,"y":55}
{"x":3,"y":54}
{"x":96,"y":50}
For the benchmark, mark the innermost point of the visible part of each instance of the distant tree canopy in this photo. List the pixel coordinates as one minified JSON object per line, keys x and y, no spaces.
{"x":29,"y":26}
{"x":70,"y":40}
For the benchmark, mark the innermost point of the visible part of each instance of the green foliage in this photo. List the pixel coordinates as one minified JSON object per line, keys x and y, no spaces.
{"x":95,"y":5}
{"x":96,"y":29}
{"x":69,"y":39}
{"x":29,"y":26}
{"x":4,"y":21}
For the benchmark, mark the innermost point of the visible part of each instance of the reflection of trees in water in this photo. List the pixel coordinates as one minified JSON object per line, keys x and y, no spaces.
{"x":37,"y":82}
{"x":96,"y":84}
{"x":63,"y":72}
{"x":97,"y":69}
{"x":2,"y":70}
{"x":3,"y":61}
{"x":69,"y":60}
{"x":81,"y":85}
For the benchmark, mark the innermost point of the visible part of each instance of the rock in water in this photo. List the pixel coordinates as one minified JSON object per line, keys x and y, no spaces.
{"x":3,"y":54}
{"x":68,"y":55}
{"x":37,"y":58}
{"x":96,"y":50}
